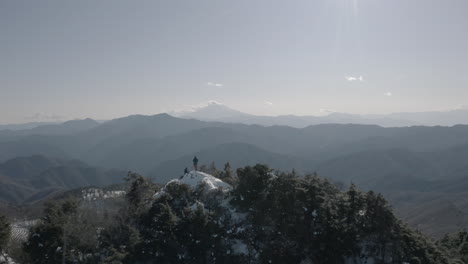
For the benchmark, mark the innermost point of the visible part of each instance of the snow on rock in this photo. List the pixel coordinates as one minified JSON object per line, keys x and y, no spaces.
{"x":195,"y":179}
{"x":5,"y":259}
{"x":236,"y":216}
{"x":239,"y":248}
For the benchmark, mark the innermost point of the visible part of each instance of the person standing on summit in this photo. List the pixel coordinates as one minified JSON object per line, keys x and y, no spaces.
{"x":195,"y":163}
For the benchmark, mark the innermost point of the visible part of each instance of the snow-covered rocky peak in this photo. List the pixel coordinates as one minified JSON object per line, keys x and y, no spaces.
{"x":196,"y":179}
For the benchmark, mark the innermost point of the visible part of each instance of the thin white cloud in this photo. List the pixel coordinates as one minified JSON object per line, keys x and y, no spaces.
{"x":388,"y":94}
{"x":268,"y":103}
{"x":359,"y":78}
{"x":214,"y":84}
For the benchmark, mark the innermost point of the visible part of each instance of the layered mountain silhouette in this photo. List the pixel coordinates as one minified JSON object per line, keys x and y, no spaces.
{"x":36,"y":177}
{"x":219,"y":112}
{"x":68,"y":127}
{"x":409,"y":162}
{"x":214,"y":111}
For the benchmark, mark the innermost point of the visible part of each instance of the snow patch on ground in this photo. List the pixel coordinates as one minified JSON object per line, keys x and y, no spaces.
{"x":93,"y":194}
{"x":20,"y":230}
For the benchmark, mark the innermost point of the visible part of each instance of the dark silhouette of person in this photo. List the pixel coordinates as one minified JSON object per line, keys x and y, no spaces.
{"x":186,"y":170}
{"x":195,"y":163}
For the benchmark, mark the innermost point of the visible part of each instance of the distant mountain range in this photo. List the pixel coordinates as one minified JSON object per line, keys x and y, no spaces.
{"x":219,"y":112}
{"x":68,"y":127}
{"x":23,"y":126}
{"x":29,"y":179}
{"x":413,"y":166}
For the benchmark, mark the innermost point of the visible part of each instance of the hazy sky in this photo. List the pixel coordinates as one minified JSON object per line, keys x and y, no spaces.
{"x":109,"y":58}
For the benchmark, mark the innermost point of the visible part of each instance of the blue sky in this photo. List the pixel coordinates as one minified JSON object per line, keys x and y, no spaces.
{"x":110,"y":58}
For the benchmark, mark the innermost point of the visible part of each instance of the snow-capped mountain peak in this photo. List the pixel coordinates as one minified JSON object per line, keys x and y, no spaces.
{"x":211,"y":111}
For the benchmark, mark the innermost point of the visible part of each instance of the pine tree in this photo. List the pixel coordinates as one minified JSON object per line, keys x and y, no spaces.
{"x":227,"y":174}
{"x":212,"y":169}
{"x":64,"y":234}
{"x":158,"y":239}
{"x":455,"y":246}
{"x":5,"y":231}
{"x":204,"y":168}
{"x":140,"y":192}
{"x":227,"y":170}
{"x":119,"y":239}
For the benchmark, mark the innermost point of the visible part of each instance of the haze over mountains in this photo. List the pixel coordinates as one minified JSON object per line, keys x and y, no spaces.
{"x":215,"y":111}
{"x":420,"y":169}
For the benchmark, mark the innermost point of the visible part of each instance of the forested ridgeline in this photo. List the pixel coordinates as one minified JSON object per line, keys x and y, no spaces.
{"x":252,"y":215}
